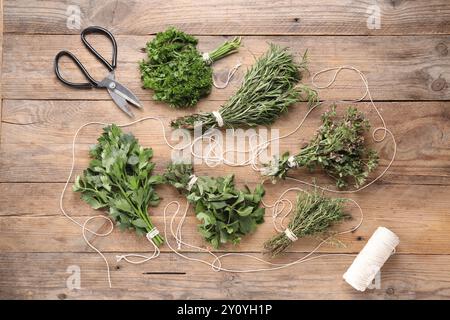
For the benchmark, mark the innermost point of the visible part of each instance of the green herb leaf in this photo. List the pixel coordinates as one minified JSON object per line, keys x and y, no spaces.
{"x":269,"y":88}
{"x":176,"y":71}
{"x":119,"y":179}
{"x":313,"y":214}
{"x":226,"y":213}
{"x":338,"y":148}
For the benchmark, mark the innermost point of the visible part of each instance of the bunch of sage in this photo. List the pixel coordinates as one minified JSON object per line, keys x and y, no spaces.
{"x":226,"y":213}
{"x":269,"y":88}
{"x":313,"y":214}
{"x":338,"y":148}
{"x":119,"y":179}
{"x":174,"y":69}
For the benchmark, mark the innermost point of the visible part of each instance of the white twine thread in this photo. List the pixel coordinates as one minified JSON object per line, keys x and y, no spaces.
{"x":216,"y":264}
{"x":83,"y":225}
{"x":192,"y":180}
{"x":371,"y":259}
{"x":277,"y":207}
{"x":291,"y":162}
{"x":291,"y":235}
{"x":207,"y":58}
{"x":152,"y":233}
{"x":257,"y":148}
{"x":218,"y":118}
{"x":230,"y":76}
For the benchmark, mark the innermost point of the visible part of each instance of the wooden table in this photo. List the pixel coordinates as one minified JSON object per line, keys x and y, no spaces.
{"x":407,"y":64}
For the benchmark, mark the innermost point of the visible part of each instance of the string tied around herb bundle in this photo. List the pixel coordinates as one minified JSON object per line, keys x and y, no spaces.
{"x":83,"y":226}
{"x":258,"y":148}
{"x":216,"y":264}
{"x":149,"y":235}
{"x":218,"y":118}
{"x":207,"y":58}
{"x":291,"y":162}
{"x":291,"y":235}
{"x":192,"y":180}
{"x":230,"y":76}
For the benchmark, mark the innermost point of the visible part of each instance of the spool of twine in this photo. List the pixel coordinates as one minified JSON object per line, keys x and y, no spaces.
{"x":372,"y":257}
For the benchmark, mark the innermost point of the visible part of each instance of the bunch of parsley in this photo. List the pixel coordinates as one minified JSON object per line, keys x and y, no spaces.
{"x":338,"y":148}
{"x":119,"y":179}
{"x":226,"y":213}
{"x":269,"y":88}
{"x":314,"y":214}
{"x":175,"y":70}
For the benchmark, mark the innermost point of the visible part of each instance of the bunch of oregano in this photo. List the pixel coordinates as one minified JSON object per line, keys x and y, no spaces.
{"x":174,"y":69}
{"x":269,"y":88}
{"x":226,"y":213}
{"x":313,"y":214}
{"x":119,"y":179}
{"x":338,"y":148}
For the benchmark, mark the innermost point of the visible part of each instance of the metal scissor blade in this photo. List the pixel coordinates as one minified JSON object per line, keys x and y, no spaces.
{"x":111,"y":84}
{"x":127,"y":94}
{"x":120,"y":102}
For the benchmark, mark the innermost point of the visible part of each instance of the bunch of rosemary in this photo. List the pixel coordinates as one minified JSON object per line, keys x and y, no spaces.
{"x":338,"y":148}
{"x":269,"y":89}
{"x":226,"y":213}
{"x":119,"y":178}
{"x":313,"y":214}
{"x":176,"y":71}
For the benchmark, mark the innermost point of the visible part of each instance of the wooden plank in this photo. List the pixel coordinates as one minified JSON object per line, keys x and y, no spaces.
{"x":233,"y":17}
{"x":41,"y":199}
{"x":418,"y":214}
{"x":402,"y":277}
{"x":397,"y":68}
{"x":1,"y":64}
{"x":37,"y":135}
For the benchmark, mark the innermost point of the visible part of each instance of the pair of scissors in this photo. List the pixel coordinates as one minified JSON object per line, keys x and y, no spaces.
{"x":118,"y":92}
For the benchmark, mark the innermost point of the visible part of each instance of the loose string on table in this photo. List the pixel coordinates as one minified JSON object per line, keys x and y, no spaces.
{"x":277,"y":207}
{"x":213,"y":158}
{"x":207,"y":58}
{"x":83,"y":225}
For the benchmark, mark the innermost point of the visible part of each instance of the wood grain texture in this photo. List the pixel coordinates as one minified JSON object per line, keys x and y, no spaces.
{"x":1,"y":63}
{"x":418,"y":214}
{"x":41,"y":132}
{"x":216,"y":17}
{"x":407,"y":65}
{"x":170,"y":277}
{"x":397,"y":68}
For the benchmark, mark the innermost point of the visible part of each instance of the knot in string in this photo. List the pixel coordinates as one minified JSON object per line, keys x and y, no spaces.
{"x":291,"y":162}
{"x":151,"y":234}
{"x":218,"y":118}
{"x":207,"y":58}
{"x":192,"y":180}
{"x":291,"y":235}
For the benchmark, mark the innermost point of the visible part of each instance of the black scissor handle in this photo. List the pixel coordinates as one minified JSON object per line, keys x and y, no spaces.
{"x":100,"y":30}
{"x":92,"y":82}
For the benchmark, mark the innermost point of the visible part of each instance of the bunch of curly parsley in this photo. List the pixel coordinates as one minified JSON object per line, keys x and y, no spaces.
{"x":176,"y":71}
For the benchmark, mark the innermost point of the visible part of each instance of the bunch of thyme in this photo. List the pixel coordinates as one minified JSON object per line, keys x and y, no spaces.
{"x":269,"y":89}
{"x":314,"y":214}
{"x":338,"y":148}
{"x":177,"y":73}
